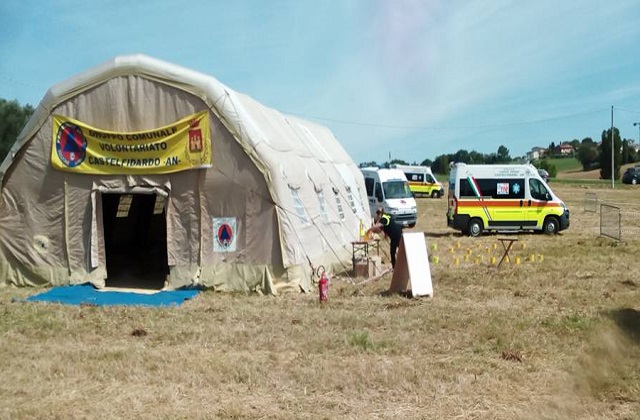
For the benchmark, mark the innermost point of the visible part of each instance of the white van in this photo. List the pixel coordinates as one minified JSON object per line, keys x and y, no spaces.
{"x":421,"y":180}
{"x":502,"y":197}
{"x":388,"y":188}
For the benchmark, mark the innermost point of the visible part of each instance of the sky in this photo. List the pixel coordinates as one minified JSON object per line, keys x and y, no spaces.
{"x":399,"y":79}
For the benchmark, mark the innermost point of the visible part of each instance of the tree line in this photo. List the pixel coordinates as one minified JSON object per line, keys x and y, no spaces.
{"x":13,"y":118}
{"x":591,"y":155}
{"x":440,"y":164}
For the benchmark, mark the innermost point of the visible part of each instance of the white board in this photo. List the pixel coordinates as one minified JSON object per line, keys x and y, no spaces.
{"x":412,"y":266}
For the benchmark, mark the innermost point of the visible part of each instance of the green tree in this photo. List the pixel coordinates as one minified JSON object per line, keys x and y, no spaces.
{"x":502,"y":156}
{"x":398,"y":161}
{"x":605,"y":154}
{"x":441,"y":165}
{"x":588,"y":154}
{"x":426,"y":162}
{"x":477,"y":157}
{"x":461,"y":156}
{"x":549,"y":167}
{"x":13,"y":118}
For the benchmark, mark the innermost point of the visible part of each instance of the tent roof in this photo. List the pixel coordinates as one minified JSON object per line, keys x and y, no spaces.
{"x":253,"y":124}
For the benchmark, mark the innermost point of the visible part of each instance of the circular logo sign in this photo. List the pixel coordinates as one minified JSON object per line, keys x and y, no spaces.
{"x":71,"y":145}
{"x":225,"y":235}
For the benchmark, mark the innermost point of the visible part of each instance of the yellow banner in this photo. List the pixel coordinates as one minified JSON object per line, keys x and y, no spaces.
{"x":80,"y":148}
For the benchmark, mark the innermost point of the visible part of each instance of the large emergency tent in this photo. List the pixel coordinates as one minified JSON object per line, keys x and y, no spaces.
{"x":141,"y":173}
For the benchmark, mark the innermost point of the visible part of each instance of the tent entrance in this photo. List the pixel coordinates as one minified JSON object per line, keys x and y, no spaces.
{"x":135,"y":239}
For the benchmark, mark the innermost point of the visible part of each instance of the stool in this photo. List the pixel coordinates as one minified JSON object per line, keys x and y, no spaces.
{"x":507,"y":243}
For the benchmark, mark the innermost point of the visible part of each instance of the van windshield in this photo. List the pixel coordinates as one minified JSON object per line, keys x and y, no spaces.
{"x":396,"y":189}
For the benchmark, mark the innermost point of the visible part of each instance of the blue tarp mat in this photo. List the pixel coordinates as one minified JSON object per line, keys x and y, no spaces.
{"x":86,"y":294}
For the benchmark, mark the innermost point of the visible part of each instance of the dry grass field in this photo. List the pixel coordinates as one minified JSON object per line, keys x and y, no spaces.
{"x":553,"y":338}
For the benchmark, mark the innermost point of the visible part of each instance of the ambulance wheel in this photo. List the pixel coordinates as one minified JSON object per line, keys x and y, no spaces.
{"x":475,"y":227}
{"x":435,"y":194}
{"x":551,"y":225}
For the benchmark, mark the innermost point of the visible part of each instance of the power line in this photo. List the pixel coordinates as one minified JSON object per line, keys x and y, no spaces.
{"x":468,"y":127}
{"x":9,"y":79}
{"x":626,"y":110}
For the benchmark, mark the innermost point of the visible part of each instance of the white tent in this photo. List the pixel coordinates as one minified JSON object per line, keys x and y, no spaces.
{"x":269,"y":197}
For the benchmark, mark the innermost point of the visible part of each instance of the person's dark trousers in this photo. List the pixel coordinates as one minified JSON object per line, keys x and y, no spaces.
{"x":393,"y":247}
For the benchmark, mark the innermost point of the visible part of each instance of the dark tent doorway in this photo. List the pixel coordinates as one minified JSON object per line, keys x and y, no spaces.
{"x":135,"y":238}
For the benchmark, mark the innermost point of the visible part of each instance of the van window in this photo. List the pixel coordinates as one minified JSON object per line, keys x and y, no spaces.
{"x":396,"y":189}
{"x":379,"y":195}
{"x":499,"y":188}
{"x":413,"y":177}
{"x":368,"y":183}
{"x":538,"y":190}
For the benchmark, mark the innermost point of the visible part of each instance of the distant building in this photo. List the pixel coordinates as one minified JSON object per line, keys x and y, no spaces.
{"x":536,"y":153}
{"x":563,"y":149}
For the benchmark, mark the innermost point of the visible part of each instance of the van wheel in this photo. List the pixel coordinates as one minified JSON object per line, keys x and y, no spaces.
{"x":475,"y":227}
{"x":551,"y":226}
{"x":412,"y":225}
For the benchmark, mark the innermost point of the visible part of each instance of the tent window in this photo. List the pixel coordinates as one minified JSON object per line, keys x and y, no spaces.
{"x":124,"y":205}
{"x":297,"y":204}
{"x":323,"y":206}
{"x":158,"y":207}
{"x":339,"y":204}
{"x":350,"y":198}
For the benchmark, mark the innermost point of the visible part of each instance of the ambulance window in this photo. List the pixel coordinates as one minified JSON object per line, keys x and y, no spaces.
{"x":415,"y":177}
{"x":502,"y":188}
{"x":538,"y":190}
{"x":465,"y":189}
{"x":368,"y":183}
{"x":429,"y":179}
{"x":498,"y":188}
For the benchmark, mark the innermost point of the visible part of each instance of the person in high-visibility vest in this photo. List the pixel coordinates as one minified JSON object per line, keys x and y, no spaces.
{"x":386,"y":223}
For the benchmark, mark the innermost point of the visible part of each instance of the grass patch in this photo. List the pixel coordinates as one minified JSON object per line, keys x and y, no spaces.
{"x":565,"y":164}
{"x":362,"y":340}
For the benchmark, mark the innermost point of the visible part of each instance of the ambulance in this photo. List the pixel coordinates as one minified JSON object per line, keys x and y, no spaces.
{"x":388,"y":188}
{"x":421,"y":180}
{"x":502,"y":198}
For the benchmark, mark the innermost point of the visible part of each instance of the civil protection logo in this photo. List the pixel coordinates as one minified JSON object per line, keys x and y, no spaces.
{"x":225,"y":235}
{"x":71,"y":145}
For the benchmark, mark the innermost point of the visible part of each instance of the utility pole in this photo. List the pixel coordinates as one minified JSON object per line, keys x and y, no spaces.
{"x":612,"y":151}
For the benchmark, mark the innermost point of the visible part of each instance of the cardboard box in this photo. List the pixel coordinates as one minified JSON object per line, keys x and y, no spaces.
{"x":374,"y":266}
{"x":360,"y":269}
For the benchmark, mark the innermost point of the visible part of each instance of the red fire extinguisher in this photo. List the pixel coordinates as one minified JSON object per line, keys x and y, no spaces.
{"x":323,"y":287}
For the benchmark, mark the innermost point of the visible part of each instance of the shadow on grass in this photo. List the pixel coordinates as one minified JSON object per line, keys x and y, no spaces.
{"x":628,"y":320}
